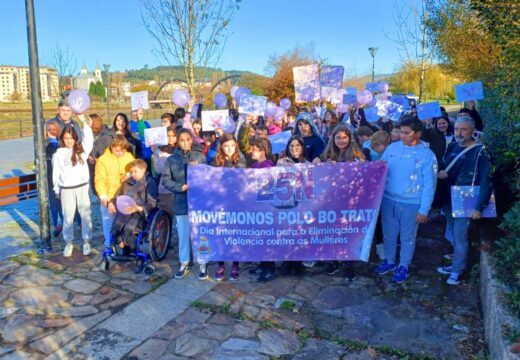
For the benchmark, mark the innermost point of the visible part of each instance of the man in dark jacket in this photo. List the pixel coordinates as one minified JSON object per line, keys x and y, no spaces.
{"x":64,"y":119}
{"x":471,"y":168}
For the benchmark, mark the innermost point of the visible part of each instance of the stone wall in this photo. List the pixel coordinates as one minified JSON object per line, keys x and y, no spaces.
{"x":496,"y":317}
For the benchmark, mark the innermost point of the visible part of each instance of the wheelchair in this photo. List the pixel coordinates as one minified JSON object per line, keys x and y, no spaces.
{"x":151,"y":244}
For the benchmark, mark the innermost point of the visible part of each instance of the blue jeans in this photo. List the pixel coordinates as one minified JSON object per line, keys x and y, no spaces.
{"x":55,"y":209}
{"x":457,"y":235}
{"x":107,"y":219}
{"x":183,"y":230}
{"x":399,"y":219}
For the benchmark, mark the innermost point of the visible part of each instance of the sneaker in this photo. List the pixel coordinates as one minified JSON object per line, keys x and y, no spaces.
{"x":67,"y":252}
{"x":203,"y":273}
{"x":385,"y":267}
{"x":400,"y":275}
{"x":332,"y":268}
{"x":309,"y":264}
{"x":183,"y":271}
{"x":57,"y":231}
{"x":220,"y":274}
{"x":266,"y":276}
{"x":46,"y":250}
{"x":448,"y":257}
{"x":86,"y":249}
{"x":445,"y":270}
{"x":349,"y":273}
{"x":235,"y":273}
{"x":453,"y":279}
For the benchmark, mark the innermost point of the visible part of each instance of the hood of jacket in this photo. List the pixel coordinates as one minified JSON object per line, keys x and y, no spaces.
{"x":308,"y":118}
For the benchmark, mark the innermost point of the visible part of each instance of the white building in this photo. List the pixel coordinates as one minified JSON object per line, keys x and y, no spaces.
{"x":15,"y":84}
{"x":83,"y":80}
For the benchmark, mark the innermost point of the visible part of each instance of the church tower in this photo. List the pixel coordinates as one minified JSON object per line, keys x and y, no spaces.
{"x":97,"y":73}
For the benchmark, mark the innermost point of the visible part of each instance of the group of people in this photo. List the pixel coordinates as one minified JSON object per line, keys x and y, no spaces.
{"x":424,"y":159}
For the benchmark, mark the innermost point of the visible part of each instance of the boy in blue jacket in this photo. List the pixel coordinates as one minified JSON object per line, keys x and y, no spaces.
{"x":410,"y":187}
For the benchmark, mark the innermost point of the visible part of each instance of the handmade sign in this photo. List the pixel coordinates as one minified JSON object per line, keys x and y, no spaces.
{"x":279,"y":141}
{"x":307,"y":83}
{"x":252,"y":104}
{"x":469,"y":91}
{"x":332,"y":94}
{"x":139,"y":100}
{"x":331,"y":76}
{"x":464,"y":200}
{"x":280,"y":214}
{"x":371,"y":113}
{"x":401,"y":100}
{"x":351,"y":90}
{"x":212,"y":120}
{"x":428,"y":110}
{"x":156,"y":136}
{"x":349,"y":99}
{"x":373,"y":87}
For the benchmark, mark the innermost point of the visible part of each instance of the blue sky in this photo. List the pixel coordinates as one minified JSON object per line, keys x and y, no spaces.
{"x":110,"y":31}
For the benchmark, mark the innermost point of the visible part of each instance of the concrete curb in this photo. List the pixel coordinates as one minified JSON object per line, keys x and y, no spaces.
{"x":495,"y":314}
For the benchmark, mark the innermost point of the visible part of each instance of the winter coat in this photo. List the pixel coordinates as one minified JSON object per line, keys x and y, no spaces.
{"x":144,"y":192}
{"x":109,"y":170}
{"x":175,"y":174}
{"x":64,"y":174}
{"x":314,"y":144}
{"x":463,"y":171}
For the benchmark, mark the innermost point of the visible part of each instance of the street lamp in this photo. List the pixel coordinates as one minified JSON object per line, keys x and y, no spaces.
{"x":107,"y":73}
{"x":373,"y":51}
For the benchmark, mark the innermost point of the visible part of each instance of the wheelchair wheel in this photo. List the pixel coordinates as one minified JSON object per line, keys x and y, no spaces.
{"x":158,"y":237}
{"x":149,"y":270}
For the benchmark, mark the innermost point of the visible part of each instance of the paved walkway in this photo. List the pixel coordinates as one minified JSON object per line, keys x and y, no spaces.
{"x":60,"y":308}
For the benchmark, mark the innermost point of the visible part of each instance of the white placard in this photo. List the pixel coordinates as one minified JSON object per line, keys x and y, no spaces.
{"x":139,"y":100}
{"x":212,"y":120}
{"x":156,"y":136}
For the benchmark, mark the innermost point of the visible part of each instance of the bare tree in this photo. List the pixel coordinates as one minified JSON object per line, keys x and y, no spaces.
{"x":62,"y":59}
{"x":189,"y":33}
{"x":411,"y":19}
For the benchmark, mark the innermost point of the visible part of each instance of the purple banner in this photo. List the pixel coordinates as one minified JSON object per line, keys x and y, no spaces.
{"x":301,"y":212}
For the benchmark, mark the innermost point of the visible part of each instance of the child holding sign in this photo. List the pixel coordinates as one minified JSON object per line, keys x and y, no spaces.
{"x":228,"y":155}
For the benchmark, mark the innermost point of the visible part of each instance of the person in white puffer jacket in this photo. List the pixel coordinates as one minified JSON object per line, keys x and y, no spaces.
{"x":71,"y":179}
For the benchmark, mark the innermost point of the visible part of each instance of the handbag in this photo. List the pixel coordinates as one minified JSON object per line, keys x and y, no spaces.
{"x":464,"y":199}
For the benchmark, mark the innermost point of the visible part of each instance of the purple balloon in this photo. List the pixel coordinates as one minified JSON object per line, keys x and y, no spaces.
{"x":364,"y":97}
{"x":220,"y":100}
{"x":124,"y":201}
{"x":285,"y":104}
{"x":383,"y":87}
{"x":278,"y":114}
{"x":240,"y":92}
{"x":78,"y":101}
{"x":269,"y":109}
{"x":181,"y":97}
{"x":233,"y":90}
